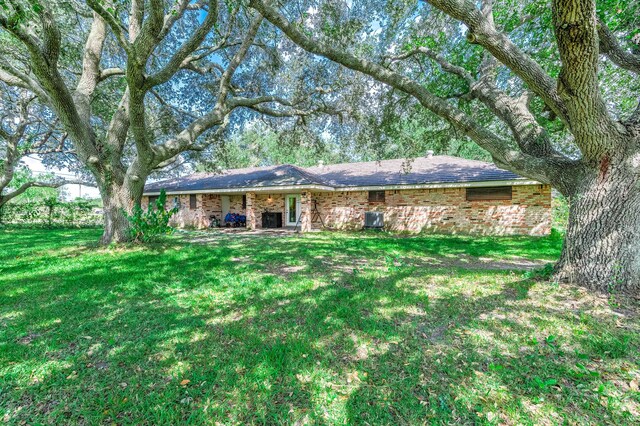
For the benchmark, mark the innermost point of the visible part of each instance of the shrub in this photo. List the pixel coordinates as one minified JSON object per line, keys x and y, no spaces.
{"x":147,"y":226}
{"x":51,"y":213}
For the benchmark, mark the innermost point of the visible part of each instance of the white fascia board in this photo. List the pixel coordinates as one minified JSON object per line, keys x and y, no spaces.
{"x":295,"y":188}
{"x":441,"y":185}
{"x":260,"y":189}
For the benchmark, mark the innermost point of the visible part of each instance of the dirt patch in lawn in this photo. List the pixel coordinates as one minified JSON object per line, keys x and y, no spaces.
{"x":462,"y":261}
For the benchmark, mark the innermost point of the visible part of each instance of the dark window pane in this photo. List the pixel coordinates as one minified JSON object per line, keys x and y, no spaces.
{"x":489,"y":193}
{"x":244,"y":201}
{"x":376,"y":196}
{"x":192,"y":201}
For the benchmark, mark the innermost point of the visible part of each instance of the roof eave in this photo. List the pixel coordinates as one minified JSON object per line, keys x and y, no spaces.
{"x":509,"y":182}
{"x":259,"y":189}
{"x":472,"y":184}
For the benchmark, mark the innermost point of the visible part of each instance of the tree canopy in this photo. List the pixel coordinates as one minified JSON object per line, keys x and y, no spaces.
{"x":151,"y":81}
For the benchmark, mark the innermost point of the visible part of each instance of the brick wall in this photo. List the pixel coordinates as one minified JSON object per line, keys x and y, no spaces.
{"x":437,"y":210}
{"x":206,"y":205}
{"x":273,"y":203}
{"x":442,"y":210}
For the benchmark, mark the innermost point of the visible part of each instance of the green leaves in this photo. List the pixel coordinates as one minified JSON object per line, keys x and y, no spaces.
{"x":150,"y":225}
{"x":49,"y":212}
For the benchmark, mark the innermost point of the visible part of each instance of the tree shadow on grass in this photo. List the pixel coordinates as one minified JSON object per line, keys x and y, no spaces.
{"x":402,"y":345}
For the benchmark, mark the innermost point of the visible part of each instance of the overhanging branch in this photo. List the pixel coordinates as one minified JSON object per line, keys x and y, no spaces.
{"x":483,"y":32}
{"x":610,"y":47}
{"x":501,"y":150}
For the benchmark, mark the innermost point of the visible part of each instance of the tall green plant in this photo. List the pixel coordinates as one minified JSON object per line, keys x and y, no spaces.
{"x":147,"y":226}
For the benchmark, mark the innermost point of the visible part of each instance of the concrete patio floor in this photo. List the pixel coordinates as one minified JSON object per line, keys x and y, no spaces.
{"x":210,"y":234}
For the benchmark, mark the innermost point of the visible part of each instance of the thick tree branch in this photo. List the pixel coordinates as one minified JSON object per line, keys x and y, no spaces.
{"x":110,"y":72}
{"x":150,"y":33}
{"x":114,"y":24}
{"x":116,"y":136}
{"x":50,"y":38}
{"x":16,"y":78}
{"x":5,"y":198}
{"x":483,"y":32}
{"x":136,"y":15}
{"x":236,"y":60}
{"x":186,"y":139}
{"x":196,"y":39}
{"x":610,"y":47}
{"x":576,"y":32}
{"x":501,"y":150}
{"x":238,"y":101}
{"x":531,"y":137}
{"x":91,"y":74}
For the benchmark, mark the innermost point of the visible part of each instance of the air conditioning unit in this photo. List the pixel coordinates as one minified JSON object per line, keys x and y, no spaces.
{"x":373,"y":220}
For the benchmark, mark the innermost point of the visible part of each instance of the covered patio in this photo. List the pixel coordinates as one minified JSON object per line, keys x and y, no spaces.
{"x":276,"y":209}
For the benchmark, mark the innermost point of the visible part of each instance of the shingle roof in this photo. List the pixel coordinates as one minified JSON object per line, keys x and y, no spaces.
{"x":252,"y":177}
{"x":422,"y":170}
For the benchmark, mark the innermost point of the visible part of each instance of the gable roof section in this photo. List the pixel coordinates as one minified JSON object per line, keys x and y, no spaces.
{"x":442,"y":169}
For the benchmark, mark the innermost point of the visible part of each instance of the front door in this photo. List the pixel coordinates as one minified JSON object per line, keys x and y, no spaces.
{"x":225,"y":206}
{"x":292,"y":209}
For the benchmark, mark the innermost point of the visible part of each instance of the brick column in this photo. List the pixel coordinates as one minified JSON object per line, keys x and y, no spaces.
{"x":250,"y":212}
{"x":202,"y":221}
{"x":305,"y":211}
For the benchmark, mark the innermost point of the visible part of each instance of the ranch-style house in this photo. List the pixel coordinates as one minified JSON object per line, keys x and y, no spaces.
{"x":433,"y":193}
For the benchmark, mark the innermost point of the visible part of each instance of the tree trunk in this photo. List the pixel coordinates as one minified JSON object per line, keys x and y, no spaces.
{"x":118,"y":202}
{"x":602,"y":244}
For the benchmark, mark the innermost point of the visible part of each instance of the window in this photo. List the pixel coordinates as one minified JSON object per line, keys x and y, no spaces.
{"x":153,"y":201}
{"x":192,"y":201}
{"x":176,"y":203}
{"x":244,"y":202}
{"x":489,"y":193}
{"x":376,"y":196}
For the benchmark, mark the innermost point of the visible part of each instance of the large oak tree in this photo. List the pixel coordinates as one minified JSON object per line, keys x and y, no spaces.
{"x":152,"y":80}
{"x":553,"y":68}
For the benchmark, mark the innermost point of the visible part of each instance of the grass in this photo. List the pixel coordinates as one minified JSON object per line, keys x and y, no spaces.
{"x":322,"y":329}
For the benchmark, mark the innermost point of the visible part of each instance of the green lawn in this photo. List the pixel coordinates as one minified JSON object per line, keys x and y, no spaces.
{"x":320,"y":329}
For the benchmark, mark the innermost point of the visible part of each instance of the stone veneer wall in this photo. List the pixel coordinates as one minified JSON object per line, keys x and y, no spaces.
{"x":437,"y":210}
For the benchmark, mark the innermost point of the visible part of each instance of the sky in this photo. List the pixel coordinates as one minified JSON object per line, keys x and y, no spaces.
{"x":71,"y":192}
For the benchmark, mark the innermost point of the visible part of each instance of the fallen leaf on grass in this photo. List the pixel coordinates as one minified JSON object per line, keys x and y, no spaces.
{"x":185,"y":382}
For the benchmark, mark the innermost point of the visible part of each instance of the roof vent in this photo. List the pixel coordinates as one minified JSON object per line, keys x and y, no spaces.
{"x":430,"y":153}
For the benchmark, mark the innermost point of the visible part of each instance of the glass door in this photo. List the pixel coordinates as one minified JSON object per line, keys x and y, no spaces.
{"x":292,"y":209}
